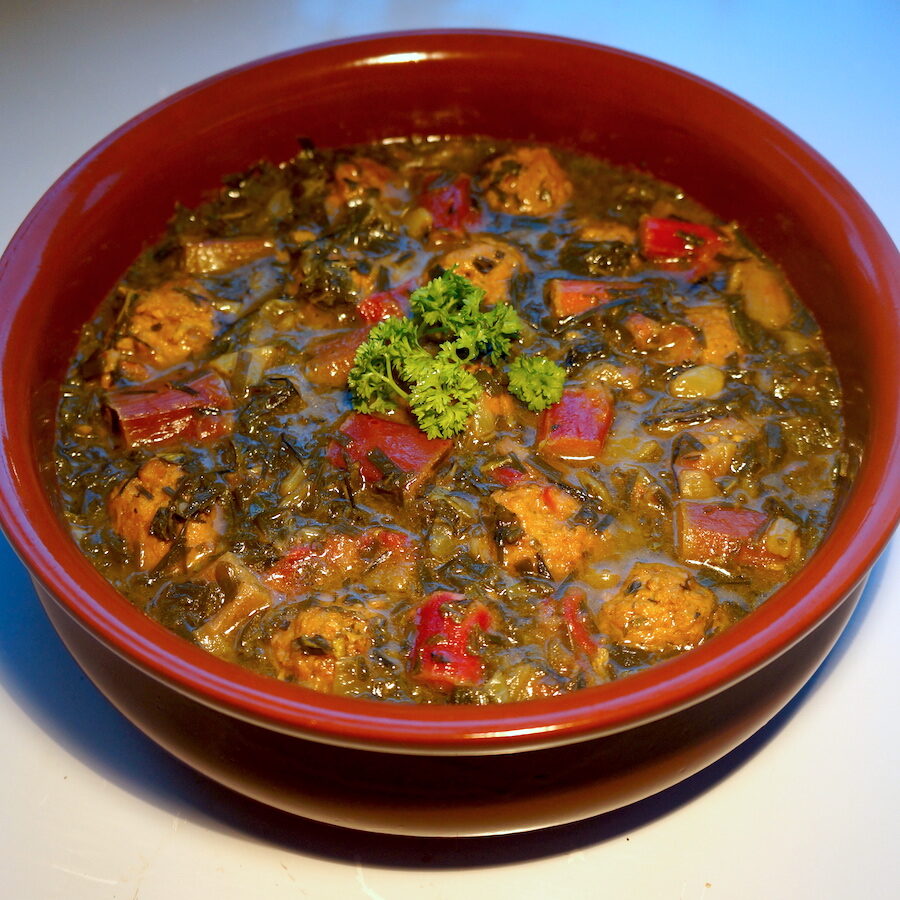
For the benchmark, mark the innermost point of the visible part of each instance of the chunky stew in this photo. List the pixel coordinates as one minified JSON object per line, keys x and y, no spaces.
{"x":449,"y":420}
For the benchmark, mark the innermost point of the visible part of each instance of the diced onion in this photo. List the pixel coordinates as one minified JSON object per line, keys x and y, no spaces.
{"x":442,"y":541}
{"x":418,"y":221}
{"x":295,"y":485}
{"x":780,"y":537}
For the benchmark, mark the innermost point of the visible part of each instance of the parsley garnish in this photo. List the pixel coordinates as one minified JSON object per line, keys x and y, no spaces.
{"x":420,"y":362}
{"x":536,"y":381}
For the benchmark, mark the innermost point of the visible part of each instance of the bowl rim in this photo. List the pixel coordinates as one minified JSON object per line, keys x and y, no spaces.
{"x":666,"y":687}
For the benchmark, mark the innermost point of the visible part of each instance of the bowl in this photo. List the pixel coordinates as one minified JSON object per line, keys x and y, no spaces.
{"x":450,"y":770}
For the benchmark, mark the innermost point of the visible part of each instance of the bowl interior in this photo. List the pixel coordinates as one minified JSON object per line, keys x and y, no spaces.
{"x":84,"y":233}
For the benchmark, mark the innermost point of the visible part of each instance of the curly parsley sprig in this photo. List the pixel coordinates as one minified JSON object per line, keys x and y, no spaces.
{"x":394,"y":367}
{"x":536,"y":381}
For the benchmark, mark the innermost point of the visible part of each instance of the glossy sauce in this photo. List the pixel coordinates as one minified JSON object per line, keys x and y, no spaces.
{"x":211,"y":466}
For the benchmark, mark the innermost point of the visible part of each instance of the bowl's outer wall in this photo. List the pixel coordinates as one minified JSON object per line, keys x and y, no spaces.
{"x":88,"y":228}
{"x":451,"y":795}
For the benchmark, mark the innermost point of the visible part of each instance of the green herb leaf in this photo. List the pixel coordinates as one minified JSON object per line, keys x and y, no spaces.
{"x":373,"y":379}
{"x":443,"y":397}
{"x":536,"y":381}
{"x":421,"y":361}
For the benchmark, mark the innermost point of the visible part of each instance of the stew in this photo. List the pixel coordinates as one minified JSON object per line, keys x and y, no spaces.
{"x":449,"y":420}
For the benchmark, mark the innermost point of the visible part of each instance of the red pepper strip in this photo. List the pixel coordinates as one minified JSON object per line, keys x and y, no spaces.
{"x":360,"y":173}
{"x":572,"y":603}
{"x":387,"y":539}
{"x":672,"y":243}
{"x":550,"y":499}
{"x":441,"y":656}
{"x":710,"y":534}
{"x":289,"y":570}
{"x":305,"y":565}
{"x":508,"y":476}
{"x":450,"y":204}
{"x":406,"y":446}
{"x":575,"y":429}
{"x":159,"y":413}
{"x":570,"y":297}
{"x":384,"y":304}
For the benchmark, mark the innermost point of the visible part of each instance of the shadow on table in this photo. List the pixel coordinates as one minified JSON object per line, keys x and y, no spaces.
{"x":42,"y":678}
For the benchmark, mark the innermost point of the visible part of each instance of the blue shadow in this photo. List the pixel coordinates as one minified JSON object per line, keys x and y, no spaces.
{"x":38,"y":673}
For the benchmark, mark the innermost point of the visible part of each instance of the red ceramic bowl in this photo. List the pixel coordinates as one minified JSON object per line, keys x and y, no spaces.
{"x":411,"y":768}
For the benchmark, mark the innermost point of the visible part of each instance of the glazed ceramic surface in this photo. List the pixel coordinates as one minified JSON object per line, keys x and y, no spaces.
{"x":624,"y":108}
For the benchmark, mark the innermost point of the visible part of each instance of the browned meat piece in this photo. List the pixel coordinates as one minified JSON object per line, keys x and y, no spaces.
{"x":487,"y":262}
{"x":606,"y":230}
{"x":307,"y":650}
{"x":356,"y":180}
{"x":668,"y":342}
{"x":709,"y":455}
{"x":658,"y":608}
{"x":721,"y":341}
{"x":330,"y":360}
{"x":133,"y":507}
{"x":203,"y":256}
{"x":542,"y":513}
{"x":165,"y":326}
{"x":322,"y":564}
{"x":528,"y":180}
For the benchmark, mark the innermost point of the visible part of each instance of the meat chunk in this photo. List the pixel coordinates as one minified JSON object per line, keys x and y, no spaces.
{"x":203,"y":256}
{"x":540,"y":531}
{"x":575,"y":428}
{"x":526,"y":181}
{"x":720,"y":340}
{"x":329,"y":361}
{"x":668,"y":342}
{"x":658,"y":608}
{"x":488,"y":263}
{"x":308,"y":649}
{"x":133,"y":507}
{"x":165,"y":326}
{"x":712,"y":534}
{"x":356,"y":180}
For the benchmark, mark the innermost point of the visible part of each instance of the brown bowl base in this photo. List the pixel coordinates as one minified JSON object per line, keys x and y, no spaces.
{"x":450,"y":796}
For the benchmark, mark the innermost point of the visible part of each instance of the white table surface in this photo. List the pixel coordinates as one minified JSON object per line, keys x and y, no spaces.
{"x":810,"y":807}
